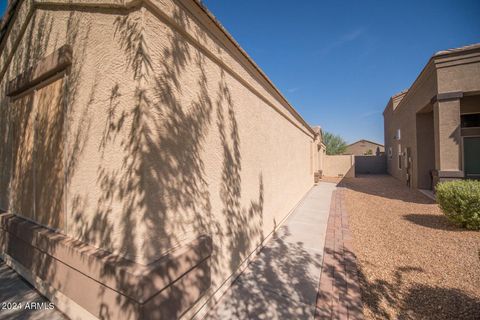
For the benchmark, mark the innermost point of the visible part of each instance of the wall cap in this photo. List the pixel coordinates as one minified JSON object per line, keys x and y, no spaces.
{"x":139,"y":282}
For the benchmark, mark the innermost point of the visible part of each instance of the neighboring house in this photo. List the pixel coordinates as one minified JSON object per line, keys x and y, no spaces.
{"x":432,"y":131}
{"x":144,"y":156}
{"x":364,"y":148}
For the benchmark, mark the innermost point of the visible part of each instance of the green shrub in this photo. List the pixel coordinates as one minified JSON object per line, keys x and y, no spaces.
{"x":460,"y":201}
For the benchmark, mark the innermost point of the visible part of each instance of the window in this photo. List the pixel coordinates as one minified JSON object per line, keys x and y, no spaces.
{"x":399,"y":151}
{"x":398,"y":136}
{"x":470,"y":120}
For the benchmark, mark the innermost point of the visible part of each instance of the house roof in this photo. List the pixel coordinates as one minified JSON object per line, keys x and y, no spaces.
{"x":457,"y":50}
{"x":365,"y":140}
{"x":439,"y":54}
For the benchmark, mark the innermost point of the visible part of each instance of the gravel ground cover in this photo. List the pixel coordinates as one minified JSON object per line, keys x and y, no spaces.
{"x":414,"y":264}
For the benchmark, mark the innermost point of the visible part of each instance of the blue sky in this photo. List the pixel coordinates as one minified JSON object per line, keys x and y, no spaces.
{"x":3,"y":6}
{"x":338,"y":62}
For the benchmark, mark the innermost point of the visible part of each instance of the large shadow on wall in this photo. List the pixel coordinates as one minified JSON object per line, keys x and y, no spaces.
{"x":162,"y":174}
{"x":49,"y":127}
{"x":243,"y":226}
{"x":162,"y":184}
{"x":13,"y":121}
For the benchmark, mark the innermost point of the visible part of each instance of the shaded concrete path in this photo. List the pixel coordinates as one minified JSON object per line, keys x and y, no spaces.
{"x":14,"y":289}
{"x":282,"y":282}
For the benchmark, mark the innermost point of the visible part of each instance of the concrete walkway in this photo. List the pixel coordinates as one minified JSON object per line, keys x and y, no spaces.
{"x":16,"y":293}
{"x":282,"y":282}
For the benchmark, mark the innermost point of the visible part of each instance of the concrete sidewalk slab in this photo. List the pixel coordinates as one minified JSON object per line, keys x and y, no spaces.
{"x":18,"y":299}
{"x":282,"y":281}
{"x":248,"y":300}
{"x":305,"y":234}
{"x":287,"y":270}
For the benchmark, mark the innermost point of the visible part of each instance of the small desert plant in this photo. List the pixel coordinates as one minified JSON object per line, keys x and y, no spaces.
{"x":460,"y":201}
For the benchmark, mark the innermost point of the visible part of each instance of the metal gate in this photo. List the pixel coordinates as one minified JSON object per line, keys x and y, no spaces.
{"x":370,"y":164}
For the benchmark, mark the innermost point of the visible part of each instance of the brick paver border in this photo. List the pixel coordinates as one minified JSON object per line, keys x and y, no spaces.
{"x":339,"y":290}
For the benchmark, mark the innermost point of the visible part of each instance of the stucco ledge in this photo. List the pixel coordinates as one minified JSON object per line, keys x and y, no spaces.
{"x":126,"y":289}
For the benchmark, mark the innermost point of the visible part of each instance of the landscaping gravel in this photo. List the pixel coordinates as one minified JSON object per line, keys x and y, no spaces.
{"x":414,"y":264}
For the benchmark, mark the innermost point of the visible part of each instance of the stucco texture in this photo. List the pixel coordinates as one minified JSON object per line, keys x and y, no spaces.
{"x":428,"y":116}
{"x":170,"y":132}
{"x":339,"y":166}
{"x":403,"y":117}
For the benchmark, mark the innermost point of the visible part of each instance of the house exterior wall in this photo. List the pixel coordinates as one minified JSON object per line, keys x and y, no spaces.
{"x":403,"y":117}
{"x":426,"y":154}
{"x":171,"y":132}
{"x":245,"y":151}
{"x":432,"y":108}
{"x":456,"y":74}
{"x":361,"y":148}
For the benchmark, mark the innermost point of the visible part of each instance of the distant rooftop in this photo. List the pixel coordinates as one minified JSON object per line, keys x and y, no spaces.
{"x":365,"y":140}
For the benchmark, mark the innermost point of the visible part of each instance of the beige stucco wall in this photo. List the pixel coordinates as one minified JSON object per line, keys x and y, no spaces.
{"x":404,"y":118}
{"x":444,"y":74}
{"x":454,"y":75}
{"x":171,"y":131}
{"x":238,"y":151}
{"x":339,"y":166}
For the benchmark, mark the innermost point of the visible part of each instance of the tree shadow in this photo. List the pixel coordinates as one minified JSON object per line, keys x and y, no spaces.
{"x":401,"y":296}
{"x":415,"y":301}
{"x":157,"y":201}
{"x":384,"y":186}
{"x":280,"y":283}
{"x":16,"y":121}
{"x":162,"y":185}
{"x":378,"y":294}
{"x":33,"y":130}
{"x":431,"y":302}
{"x":433,"y":221}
